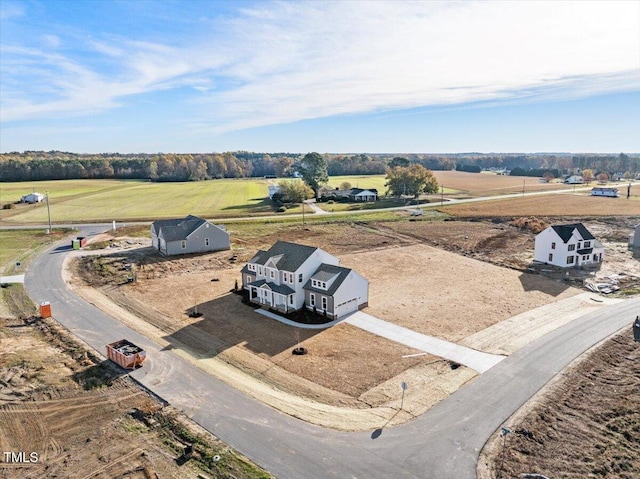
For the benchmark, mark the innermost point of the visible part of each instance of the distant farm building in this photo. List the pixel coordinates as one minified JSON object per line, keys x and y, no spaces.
{"x":32,"y":198}
{"x":575,"y":180}
{"x":602,"y":191}
{"x":352,"y":195}
{"x":188,"y":235}
{"x":567,"y":246}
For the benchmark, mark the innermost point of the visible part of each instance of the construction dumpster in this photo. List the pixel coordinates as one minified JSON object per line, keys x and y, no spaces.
{"x":126,"y":354}
{"x":75,"y":244}
{"x":82,"y":240}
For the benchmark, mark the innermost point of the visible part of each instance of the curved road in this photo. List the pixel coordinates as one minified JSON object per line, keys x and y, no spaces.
{"x":443,"y":443}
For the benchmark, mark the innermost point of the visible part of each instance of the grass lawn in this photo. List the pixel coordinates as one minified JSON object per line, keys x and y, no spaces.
{"x":106,"y":200}
{"x":18,"y":245}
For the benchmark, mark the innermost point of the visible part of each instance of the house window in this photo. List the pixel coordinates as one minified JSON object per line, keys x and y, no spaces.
{"x":585,"y":258}
{"x":260,"y":270}
{"x":252,"y":267}
{"x":550,"y":257}
{"x":553,"y":246}
{"x":572,"y":247}
{"x":272,"y":274}
{"x":291,"y":278}
{"x":291,"y":300}
{"x":587,"y":244}
{"x":312,"y":299}
{"x":579,"y":245}
{"x":183,"y":244}
{"x":324,"y":303}
{"x":300,"y":278}
{"x":570,"y":259}
{"x":206,"y":241}
{"x":249,"y":279}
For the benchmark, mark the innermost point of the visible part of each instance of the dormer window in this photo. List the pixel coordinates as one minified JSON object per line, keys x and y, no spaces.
{"x":587,"y":244}
{"x":318,"y":284}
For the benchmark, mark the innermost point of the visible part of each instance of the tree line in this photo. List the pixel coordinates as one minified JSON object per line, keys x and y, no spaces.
{"x":57,"y":165}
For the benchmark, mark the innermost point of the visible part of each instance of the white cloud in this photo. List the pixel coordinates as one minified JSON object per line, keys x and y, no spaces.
{"x":282,"y":62}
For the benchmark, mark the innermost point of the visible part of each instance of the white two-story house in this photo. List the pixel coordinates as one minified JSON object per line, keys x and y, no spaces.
{"x":567,"y":246}
{"x":289,"y":276}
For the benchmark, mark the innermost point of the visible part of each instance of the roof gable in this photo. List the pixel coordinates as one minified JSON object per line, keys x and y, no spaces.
{"x":292,"y":255}
{"x":565,"y":232}
{"x":177,"y":229}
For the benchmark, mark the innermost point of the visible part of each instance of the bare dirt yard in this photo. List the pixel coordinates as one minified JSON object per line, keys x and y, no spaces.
{"x":586,"y":423}
{"x":76,"y":416}
{"x":409,"y":264}
{"x":580,"y":204}
{"x":489,"y":184}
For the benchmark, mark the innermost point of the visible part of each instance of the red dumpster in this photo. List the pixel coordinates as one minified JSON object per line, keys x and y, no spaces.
{"x":126,"y":354}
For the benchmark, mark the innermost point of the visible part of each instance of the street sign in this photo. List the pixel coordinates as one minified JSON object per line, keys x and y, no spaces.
{"x":404,"y":386}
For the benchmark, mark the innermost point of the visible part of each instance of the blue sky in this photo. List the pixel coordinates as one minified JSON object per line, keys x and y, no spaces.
{"x":339,"y":76}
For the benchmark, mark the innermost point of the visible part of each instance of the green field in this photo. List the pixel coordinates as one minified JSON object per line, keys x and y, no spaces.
{"x":106,"y":200}
{"x":18,"y":246}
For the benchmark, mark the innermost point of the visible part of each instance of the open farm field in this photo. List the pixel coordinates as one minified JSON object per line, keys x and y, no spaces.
{"x":489,"y":184}
{"x":579,"y":205}
{"x":371,"y":181}
{"x":137,"y":200}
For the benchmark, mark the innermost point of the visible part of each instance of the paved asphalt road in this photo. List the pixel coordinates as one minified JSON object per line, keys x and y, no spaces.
{"x":443,"y":443}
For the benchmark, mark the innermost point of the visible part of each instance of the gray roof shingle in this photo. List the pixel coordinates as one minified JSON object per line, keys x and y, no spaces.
{"x":565,"y":231}
{"x":293,"y":255}
{"x":328,"y":270}
{"x":177,"y":229}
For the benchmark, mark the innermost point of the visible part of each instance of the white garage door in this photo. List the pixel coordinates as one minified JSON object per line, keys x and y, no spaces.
{"x":346,"y":308}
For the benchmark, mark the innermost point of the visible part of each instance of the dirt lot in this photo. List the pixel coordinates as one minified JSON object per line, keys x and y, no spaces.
{"x":83,"y":418}
{"x":586,"y":423}
{"x":579,"y":204}
{"x":433,"y":302}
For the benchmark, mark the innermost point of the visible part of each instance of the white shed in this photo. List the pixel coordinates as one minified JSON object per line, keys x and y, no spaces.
{"x":32,"y":198}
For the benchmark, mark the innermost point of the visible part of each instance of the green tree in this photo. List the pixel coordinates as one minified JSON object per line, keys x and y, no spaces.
{"x":411,"y":180}
{"x":294,"y":191}
{"x":313,"y":168}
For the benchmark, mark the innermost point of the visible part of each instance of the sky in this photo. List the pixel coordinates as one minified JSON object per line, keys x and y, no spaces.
{"x":134,"y":76}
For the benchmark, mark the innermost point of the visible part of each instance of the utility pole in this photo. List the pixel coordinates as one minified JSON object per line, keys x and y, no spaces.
{"x":523,"y":183}
{"x":302,"y":211}
{"x":49,"y":214}
{"x":441,"y":195}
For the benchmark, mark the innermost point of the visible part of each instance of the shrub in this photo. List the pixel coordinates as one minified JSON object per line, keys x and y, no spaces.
{"x":8,"y":206}
{"x":282,"y":209}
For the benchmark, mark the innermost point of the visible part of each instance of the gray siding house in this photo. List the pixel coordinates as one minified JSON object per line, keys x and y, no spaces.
{"x":289,"y":276}
{"x":188,"y":235}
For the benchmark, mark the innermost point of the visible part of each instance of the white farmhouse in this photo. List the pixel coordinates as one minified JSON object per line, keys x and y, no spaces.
{"x":567,"y":246}
{"x":289,"y":276}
